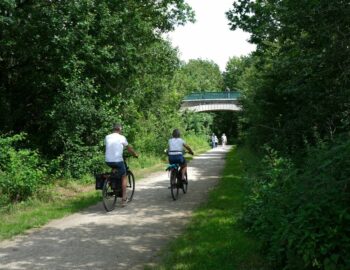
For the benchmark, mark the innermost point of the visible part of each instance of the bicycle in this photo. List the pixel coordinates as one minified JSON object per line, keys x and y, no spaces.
{"x":176,"y":181}
{"x":111,"y":186}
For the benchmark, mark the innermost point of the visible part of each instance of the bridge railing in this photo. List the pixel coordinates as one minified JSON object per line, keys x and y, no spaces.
{"x":212,"y":95}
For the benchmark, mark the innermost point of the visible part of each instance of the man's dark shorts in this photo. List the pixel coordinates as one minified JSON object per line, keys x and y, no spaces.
{"x":177,"y":159}
{"x":120,"y":166}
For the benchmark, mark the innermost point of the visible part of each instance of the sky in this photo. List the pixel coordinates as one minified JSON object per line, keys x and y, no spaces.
{"x":210,"y":37}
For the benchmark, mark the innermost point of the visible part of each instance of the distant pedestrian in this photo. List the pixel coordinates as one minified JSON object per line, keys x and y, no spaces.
{"x":213,"y":140}
{"x":216,"y":141}
{"x":223,"y":139}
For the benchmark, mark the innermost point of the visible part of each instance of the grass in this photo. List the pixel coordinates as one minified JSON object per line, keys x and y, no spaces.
{"x":198,"y":143}
{"x":66,"y":197}
{"x":34,"y":213}
{"x":214,"y":239}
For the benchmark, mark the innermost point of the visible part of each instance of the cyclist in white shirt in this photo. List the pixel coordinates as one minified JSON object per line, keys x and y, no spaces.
{"x":115,"y":143}
{"x":175,"y":151}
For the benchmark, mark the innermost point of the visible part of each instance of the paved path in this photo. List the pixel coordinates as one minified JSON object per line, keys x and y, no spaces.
{"x":126,"y":238}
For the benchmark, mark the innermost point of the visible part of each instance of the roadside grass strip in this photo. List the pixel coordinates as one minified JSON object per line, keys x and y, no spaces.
{"x":214,"y":239}
{"x":35,"y":213}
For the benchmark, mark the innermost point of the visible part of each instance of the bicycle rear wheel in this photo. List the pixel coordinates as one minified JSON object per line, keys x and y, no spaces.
{"x":130,"y":185}
{"x":185,"y":184}
{"x":109,"y":195}
{"x":174,"y":187}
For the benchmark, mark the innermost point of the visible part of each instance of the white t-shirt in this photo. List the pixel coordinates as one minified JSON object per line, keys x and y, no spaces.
{"x":176,"y":146}
{"x":114,"y":147}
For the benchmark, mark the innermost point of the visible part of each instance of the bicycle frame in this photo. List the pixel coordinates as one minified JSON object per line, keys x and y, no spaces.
{"x":176,"y":181}
{"x":112,"y":189}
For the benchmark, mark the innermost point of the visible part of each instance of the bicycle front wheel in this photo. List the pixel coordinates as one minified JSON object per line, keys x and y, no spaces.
{"x":109,"y":195}
{"x":174,"y":187}
{"x":130,"y":186}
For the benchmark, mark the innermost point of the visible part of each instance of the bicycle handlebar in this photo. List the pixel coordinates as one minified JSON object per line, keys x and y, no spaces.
{"x":127,"y":155}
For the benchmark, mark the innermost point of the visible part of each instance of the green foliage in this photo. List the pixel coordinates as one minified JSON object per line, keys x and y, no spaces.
{"x":198,"y":75}
{"x":302,"y":215}
{"x":300,"y":70}
{"x":198,"y":142}
{"x":296,"y":99}
{"x":198,"y":123}
{"x":70,"y":69}
{"x":153,"y":134}
{"x":21,"y":172}
{"x":234,"y":71}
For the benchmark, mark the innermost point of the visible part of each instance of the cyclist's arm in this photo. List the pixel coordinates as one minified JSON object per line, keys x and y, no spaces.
{"x":189,"y":149}
{"x":131,"y":150}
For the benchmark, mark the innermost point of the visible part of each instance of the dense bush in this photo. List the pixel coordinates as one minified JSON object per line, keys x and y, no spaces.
{"x":21,"y":171}
{"x":302,"y":214}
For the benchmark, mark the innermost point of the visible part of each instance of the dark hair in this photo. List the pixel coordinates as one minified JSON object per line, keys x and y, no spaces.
{"x":176,"y":133}
{"x":117,"y":127}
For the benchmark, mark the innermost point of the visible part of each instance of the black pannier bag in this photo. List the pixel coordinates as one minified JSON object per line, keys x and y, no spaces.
{"x":117,"y":184}
{"x":115,"y":181}
{"x":100,"y":179}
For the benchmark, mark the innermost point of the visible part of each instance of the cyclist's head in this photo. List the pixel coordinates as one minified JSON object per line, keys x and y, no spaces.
{"x":117,"y":127}
{"x":176,"y":133}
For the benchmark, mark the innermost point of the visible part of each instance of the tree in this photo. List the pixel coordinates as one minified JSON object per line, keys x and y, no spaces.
{"x":302,"y":64}
{"x":233,"y":72}
{"x":198,"y":75}
{"x":68,"y":69}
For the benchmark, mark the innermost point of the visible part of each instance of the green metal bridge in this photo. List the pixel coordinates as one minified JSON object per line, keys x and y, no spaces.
{"x":211,"y":101}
